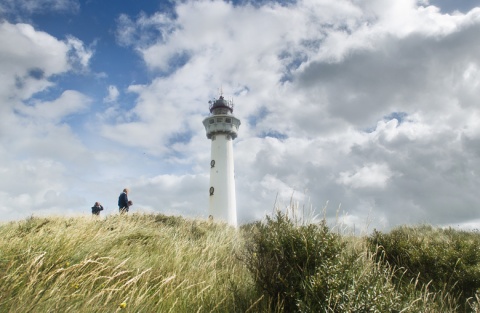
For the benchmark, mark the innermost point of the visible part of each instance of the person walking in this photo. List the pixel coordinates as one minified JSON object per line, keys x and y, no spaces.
{"x":96,"y":208}
{"x":123,"y":202}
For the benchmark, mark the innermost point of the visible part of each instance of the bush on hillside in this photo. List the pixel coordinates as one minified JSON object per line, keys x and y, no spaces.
{"x":282,"y":255}
{"x":309,"y":268}
{"x":446,"y":259}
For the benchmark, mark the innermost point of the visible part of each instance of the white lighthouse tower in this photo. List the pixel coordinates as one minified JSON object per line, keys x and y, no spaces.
{"x":221,"y":127}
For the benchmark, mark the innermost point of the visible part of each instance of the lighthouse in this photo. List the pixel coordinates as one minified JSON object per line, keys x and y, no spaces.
{"x":221,"y":127}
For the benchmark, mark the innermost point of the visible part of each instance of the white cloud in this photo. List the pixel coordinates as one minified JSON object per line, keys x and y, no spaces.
{"x":144,"y":30}
{"x":79,"y":55}
{"x":69,"y":102}
{"x":28,"y":58}
{"x":113,"y":94}
{"x":181,"y":192}
{"x":370,"y":175}
{"x":42,"y":156}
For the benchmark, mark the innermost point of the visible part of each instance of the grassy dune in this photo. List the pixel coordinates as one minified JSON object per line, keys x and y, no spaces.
{"x":139,"y":263}
{"x":157,"y":263}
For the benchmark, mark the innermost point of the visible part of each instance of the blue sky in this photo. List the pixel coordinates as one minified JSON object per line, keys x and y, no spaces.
{"x":367,"y":110}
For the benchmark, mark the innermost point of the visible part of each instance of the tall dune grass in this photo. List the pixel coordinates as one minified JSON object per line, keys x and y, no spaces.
{"x":158,"y":263}
{"x":140,"y":263}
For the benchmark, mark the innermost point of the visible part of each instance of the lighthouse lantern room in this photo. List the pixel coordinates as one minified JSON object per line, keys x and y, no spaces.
{"x":221,"y":127}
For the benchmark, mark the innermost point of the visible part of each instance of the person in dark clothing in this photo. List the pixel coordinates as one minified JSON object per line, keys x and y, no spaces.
{"x":97,"y":208}
{"x":123,"y":202}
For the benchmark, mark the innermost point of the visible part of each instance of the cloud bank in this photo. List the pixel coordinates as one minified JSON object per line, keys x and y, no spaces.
{"x":370,"y":107}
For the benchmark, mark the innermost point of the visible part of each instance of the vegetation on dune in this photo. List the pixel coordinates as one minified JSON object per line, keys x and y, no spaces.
{"x":146,"y":263}
{"x":447,"y":260}
{"x":158,"y":263}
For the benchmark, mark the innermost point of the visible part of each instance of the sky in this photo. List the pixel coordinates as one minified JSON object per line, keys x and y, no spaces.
{"x":363,"y":112}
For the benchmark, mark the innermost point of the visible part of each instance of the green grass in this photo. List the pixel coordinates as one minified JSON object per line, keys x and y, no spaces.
{"x":447,"y":260}
{"x":158,"y":263}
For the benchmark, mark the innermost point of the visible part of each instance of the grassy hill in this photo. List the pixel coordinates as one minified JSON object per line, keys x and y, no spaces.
{"x":157,"y":263}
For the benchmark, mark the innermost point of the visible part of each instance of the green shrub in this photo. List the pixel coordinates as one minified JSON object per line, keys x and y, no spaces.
{"x":446,"y":259}
{"x":308,"y":268}
{"x":352,"y":283}
{"x":356,"y":282}
{"x":282,"y":256}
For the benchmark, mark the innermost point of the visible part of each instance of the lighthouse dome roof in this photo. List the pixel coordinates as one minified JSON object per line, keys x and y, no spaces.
{"x":221,"y":103}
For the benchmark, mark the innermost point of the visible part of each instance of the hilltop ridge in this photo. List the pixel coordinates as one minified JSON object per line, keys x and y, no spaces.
{"x":158,"y":263}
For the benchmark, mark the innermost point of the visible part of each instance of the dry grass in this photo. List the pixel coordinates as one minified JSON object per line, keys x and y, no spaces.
{"x":139,"y":263}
